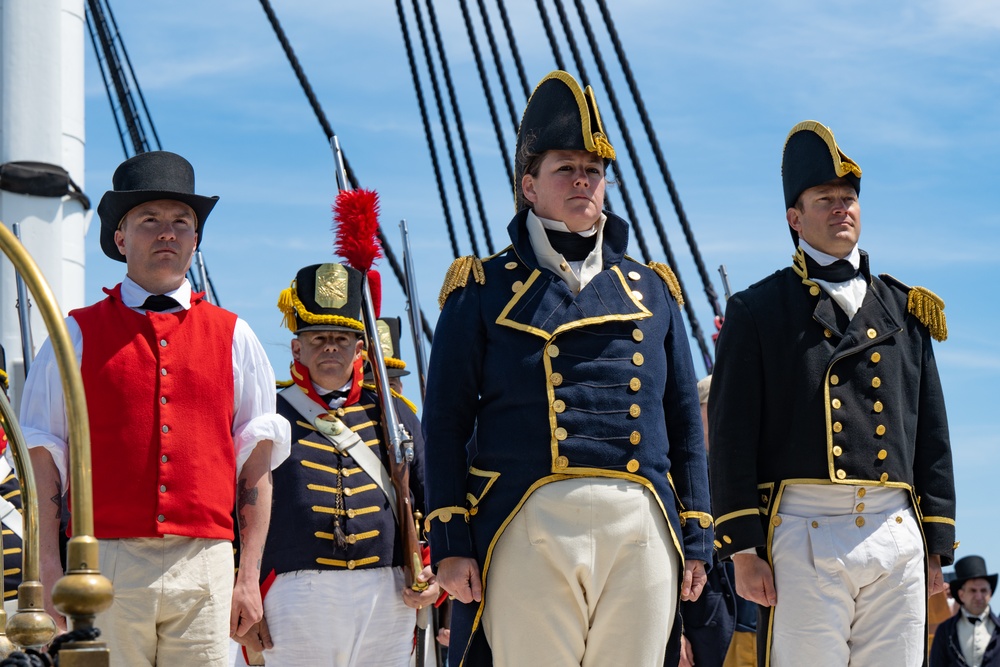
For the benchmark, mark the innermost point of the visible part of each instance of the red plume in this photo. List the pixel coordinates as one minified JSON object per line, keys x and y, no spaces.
{"x":355,"y":213}
{"x":375,"y":286}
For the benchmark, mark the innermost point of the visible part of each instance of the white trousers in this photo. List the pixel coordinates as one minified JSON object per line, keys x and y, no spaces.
{"x":850,"y":581}
{"x":342,"y":618}
{"x":172,"y":602}
{"x":585,"y":574}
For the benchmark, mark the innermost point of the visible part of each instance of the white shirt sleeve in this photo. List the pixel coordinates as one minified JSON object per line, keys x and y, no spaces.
{"x":254,"y":400}
{"x":43,"y":406}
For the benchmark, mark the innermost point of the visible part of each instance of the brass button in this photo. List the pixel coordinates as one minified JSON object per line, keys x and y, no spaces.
{"x":834,"y":379}
{"x":635,"y":437}
{"x":564,"y":266}
{"x":877,"y":407}
{"x":473,"y":511}
{"x":776,"y":520}
{"x":164,"y":459}
{"x":352,"y":539}
{"x":835,"y":403}
{"x":163,"y":371}
{"x":558,"y":406}
{"x":516,"y":286}
{"x":899,"y":519}
{"x":552,"y":351}
{"x":727,"y":539}
{"x":763,"y":499}
{"x":814,"y":290}
{"x":637,"y":295}
{"x":340,"y":412}
{"x":166,"y":429}
{"x":815,"y":524}
{"x":634,"y":384}
{"x":560,"y":433}
{"x":637,"y":359}
{"x":562,"y":462}
{"x":163,"y":342}
{"x":860,"y":521}
{"x":351,"y":565}
{"x":837,"y":427}
{"x":161,"y":518}
{"x":884,"y":477}
{"x":556,"y":379}
{"x":348,"y":492}
{"x":634,"y":410}
{"x":880,"y":430}
{"x":718,"y":544}
{"x":350,"y":514}
{"x":633,"y":275}
{"x":632,"y":465}
{"x":637,"y":335}
{"x":860,"y":507}
{"x":827,"y":333}
{"x":876,"y":382}
{"x":163,"y":488}
{"x":882,"y":454}
{"x":837,"y":451}
{"x":683,"y":521}
{"x":861,"y":492}
{"x":872,"y":333}
{"x":704,"y":522}
{"x":876,"y":357}
{"x":510,"y":265}
{"x":841,"y":474}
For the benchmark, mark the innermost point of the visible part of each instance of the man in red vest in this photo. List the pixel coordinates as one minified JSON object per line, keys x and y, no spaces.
{"x":183,"y":430}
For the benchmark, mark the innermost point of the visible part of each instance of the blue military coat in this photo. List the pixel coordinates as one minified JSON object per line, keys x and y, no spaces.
{"x":529,"y":383}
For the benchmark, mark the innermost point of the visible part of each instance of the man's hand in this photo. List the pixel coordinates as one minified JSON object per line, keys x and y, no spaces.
{"x":247,"y":609}
{"x":687,"y":655}
{"x":460,"y":577}
{"x":253,"y":514}
{"x":694,"y":580}
{"x":257,"y":638}
{"x":415,"y":600}
{"x":754,"y":579}
{"x":935,"y":579}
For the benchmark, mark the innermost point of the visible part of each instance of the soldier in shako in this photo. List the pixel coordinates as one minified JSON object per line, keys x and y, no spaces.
{"x":580,"y":513}
{"x":332,"y":576}
{"x":395,"y":368}
{"x":831,"y":462}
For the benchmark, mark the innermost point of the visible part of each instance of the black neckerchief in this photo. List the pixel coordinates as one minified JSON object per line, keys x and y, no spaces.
{"x":838,"y":272}
{"x":571,"y":245}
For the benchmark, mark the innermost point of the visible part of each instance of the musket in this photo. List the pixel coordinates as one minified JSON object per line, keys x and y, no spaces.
{"x":413,"y":307}
{"x":356,"y":212}
{"x":725,"y":281}
{"x":24,"y":313}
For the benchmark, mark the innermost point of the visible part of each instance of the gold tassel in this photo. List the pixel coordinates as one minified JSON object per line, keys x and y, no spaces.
{"x":603,"y":147}
{"x":928,"y":307}
{"x":285,"y":305}
{"x":670,"y":279}
{"x":458,"y":276}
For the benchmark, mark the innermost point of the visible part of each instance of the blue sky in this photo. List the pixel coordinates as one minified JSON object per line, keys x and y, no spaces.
{"x":910,"y":89}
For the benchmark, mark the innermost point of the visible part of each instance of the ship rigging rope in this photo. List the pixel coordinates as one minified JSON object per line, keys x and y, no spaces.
{"x":499,"y":63}
{"x":696,"y":331}
{"x":428,"y":135}
{"x":487,"y":90}
{"x":713,"y":298}
{"x":390,"y":256}
{"x":505,"y":19}
{"x":460,"y":125}
{"x":547,"y":24}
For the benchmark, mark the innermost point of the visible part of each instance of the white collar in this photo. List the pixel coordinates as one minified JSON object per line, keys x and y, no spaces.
{"x":559,"y":226}
{"x":134,"y":296}
{"x":823,"y":259}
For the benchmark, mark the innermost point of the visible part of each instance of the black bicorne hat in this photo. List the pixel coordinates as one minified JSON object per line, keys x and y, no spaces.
{"x":811,"y":157}
{"x":323,"y":297}
{"x":148,"y":177}
{"x":560,"y":116}
{"x":971,"y":567}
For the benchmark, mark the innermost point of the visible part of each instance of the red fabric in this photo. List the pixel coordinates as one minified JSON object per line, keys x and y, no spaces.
{"x":301,"y":377}
{"x":123,"y":362}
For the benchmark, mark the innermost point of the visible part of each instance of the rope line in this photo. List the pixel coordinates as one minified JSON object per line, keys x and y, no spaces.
{"x":501,"y":73}
{"x":505,"y":19}
{"x":547,"y":24}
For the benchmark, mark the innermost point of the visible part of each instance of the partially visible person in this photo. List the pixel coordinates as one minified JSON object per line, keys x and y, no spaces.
{"x":10,"y":512}
{"x":970,"y":638}
{"x":180,"y":398}
{"x":395,"y":367}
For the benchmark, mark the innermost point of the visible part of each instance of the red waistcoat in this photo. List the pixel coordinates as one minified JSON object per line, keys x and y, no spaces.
{"x":160,"y":400}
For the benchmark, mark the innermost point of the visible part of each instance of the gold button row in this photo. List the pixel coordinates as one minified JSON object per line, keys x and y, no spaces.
{"x":633,"y":275}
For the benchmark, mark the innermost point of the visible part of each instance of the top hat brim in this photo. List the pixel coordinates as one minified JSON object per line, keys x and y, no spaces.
{"x":116,"y":204}
{"x":955,"y":584}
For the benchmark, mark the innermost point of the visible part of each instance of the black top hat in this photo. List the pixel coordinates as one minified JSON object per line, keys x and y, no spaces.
{"x":323,"y":297}
{"x":388,"y":336}
{"x":811,"y":157}
{"x":148,"y":177}
{"x":971,"y":567}
{"x":560,"y":116}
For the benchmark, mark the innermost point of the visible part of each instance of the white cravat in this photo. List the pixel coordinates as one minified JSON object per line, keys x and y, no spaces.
{"x":575,"y":274}
{"x":848,"y":294}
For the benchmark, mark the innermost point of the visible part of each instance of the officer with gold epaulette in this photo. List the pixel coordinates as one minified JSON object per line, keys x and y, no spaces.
{"x":567,"y":485}
{"x":831,"y":461}
{"x":332,"y":575}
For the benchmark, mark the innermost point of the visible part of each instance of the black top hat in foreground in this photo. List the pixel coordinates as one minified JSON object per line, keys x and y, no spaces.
{"x":971,"y":567}
{"x":323,"y":297}
{"x":149,"y":177}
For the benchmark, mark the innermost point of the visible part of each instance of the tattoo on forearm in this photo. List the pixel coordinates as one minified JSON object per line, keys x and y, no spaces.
{"x":246,"y":496}
{"x":57,"y":499}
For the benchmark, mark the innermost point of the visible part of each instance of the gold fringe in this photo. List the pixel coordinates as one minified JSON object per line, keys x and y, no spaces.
{"x":603,"y":147}
{"x":391,"y":362}
{"x":290,"y":305}
{"x":670,"y":279}
{"x":287,"y":308}
{"x":799,"y":266}
{"x":928,"y":307}
{"x":458,"y":276}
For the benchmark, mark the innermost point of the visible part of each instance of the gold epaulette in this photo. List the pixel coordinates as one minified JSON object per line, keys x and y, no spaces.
{"x":928,"y":307}
{"x":458,"y":276}
{"x":396,"y":394}
{"x":670,"y":279}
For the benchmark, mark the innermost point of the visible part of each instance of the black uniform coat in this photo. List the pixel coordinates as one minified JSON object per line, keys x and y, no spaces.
{"x":556,"y":386}
{"x":946,"y":652}
{"x":802,"y":395}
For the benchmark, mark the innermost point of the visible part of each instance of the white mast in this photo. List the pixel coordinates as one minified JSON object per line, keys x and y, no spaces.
{"x":42,"y":120}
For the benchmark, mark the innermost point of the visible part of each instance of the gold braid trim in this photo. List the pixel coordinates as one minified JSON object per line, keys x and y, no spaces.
{"x":928,"y":307}
{"x":444,"y":515}
{"x":3,"y":379}
{"x":391,"y":362}
{"x":284,"y":384}
{"x":289,"y":304}
{"x":670,"y":279}
{"x":458,"y":276}
{"x":799,"y":266}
